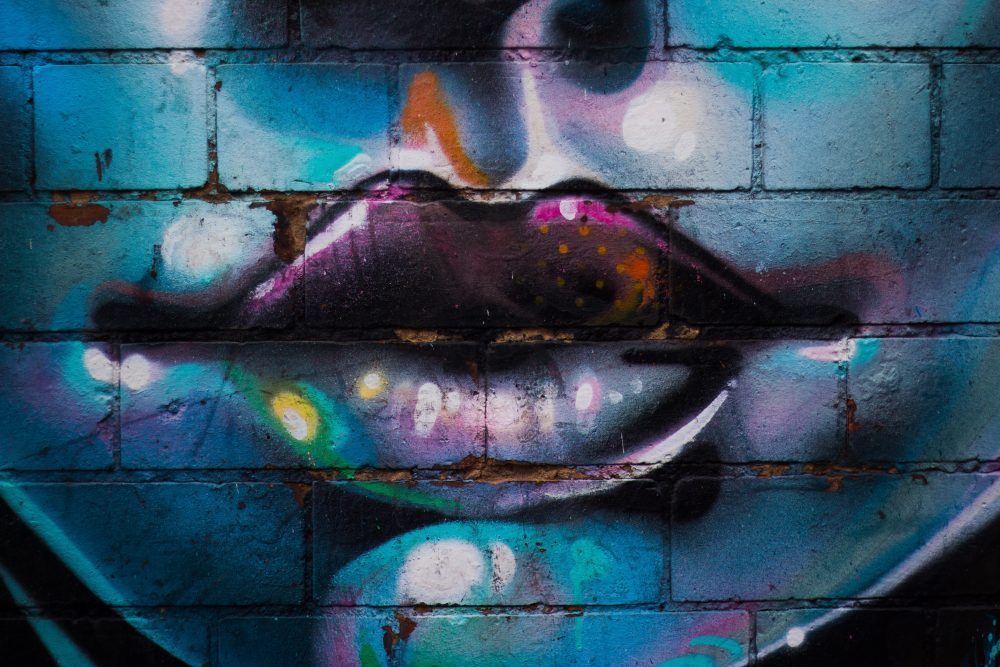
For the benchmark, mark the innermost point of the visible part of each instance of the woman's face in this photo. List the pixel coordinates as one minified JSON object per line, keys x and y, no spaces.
{"x":512,"y":307}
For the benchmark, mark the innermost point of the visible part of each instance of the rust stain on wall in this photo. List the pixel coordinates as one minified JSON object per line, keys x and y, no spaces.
{"x":291,"y":212}
{"x":78,"y":215}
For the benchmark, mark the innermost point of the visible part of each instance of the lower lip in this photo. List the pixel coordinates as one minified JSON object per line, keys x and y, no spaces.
{"x":393,"y":406}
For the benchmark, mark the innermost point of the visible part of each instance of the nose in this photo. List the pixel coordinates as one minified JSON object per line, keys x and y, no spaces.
{"x":463,"y":121}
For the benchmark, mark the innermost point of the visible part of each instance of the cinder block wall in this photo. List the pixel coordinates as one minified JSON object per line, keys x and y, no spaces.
{"x":455,"y":333}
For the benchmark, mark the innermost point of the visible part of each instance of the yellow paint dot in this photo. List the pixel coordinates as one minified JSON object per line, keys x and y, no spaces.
{"x":539,"y":299}
{"x":544,"y":229}
{"x":561,"y":281}
{"x":584,"y":230}
{"x":638,"y":286}
{"x":621,"y":231}
{"x":579,"y":302}
{"x":601,"y":250}
{"x":640,"y":251}
{"x":296,"y":414}
{"x":620,"y":268}
{"x":563,"y":248}
{"x":599,"y":283}
{"x":371,"y":384}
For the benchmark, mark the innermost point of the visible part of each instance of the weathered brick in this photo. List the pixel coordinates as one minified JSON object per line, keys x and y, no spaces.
{"x":302,"y":127}
{"x":893,"y":382}
{"x":120,"y":127}
{"x":57,"y":406}
{"x":822,"y":261}
{"x":846,"y":125}
{"x":165,"y":544}
{"x":556,"y":638}
{"x":794,"y":24}
{"x":827,"y":637}
{"x":141,"y":24}
{"x":580,"y":555}
{"x":970,"y":126}
{"x":14,"y":137}
{"x":291,"y":405}
{"x":92,"y":265}
{"x":443,"y":24}
{"x":806,"y":537}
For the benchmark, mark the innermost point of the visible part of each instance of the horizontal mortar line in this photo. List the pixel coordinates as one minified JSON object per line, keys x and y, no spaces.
{"x":519,"y":472}
{"x":540,"y":609}
{"x":532,"y":336}
{"x":625,"y":53}
{"x":416,"y":194}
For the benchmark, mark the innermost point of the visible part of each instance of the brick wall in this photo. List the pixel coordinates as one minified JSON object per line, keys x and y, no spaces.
{"x":558,"y":332}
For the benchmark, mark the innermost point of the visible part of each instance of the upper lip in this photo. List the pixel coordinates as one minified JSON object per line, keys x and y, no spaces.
{"x":569,"y":256}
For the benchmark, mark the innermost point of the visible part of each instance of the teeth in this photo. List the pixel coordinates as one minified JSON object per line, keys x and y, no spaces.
{"x":585,"y":396}
{"x":568,"y":208}
{"x":428,"y":408}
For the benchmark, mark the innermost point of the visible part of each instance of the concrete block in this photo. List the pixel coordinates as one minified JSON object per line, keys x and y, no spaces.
{"x":120,"y":127}
{"x":846,"y":125}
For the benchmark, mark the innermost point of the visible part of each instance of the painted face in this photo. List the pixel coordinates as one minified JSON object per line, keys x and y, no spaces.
{"x":571,"y":320}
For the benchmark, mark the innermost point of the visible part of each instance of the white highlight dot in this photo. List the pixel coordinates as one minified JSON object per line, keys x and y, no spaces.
{"x":372,"y":380}
{"x":182,"y":19}
{"x":615,"y":397}
{"x":295,"y":423}
{"x":584,"y":396}
{"x":356,"y":167}
{"x":428,"y":406}
{"x":685,"y":146}
{"x":504,"y":565}
{"x":440,"y":572}
{"x":452,"y":401}
{"x":98,"y":365}
{"x":795,"y":637}
{"x":202,"y":247}
{"x":649,"y":122}
{"x":636,"y":386}
{"x":568,"y":208}
{"x":137,"y":372}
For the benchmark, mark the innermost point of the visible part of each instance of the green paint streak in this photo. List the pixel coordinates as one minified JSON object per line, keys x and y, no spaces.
{"x":368,"y":657}
{"x":336,"y":425}
{"x":331,"y":425}
{"x":398,"y":491}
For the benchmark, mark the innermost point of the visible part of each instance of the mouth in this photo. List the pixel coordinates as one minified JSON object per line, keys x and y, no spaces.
{"x":571,"y":259}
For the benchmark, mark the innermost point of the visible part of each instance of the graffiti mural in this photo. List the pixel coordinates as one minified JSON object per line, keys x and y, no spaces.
{"x":559,"y":332}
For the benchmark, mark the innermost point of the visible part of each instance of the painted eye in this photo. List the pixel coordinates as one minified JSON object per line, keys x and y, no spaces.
{"x":597,"y":25}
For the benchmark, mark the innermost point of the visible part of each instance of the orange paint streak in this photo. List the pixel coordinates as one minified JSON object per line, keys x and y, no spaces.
{"x":426,"y":109}
{"x":637,"y":267}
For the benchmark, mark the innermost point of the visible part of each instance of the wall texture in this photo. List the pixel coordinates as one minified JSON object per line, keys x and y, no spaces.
{"x":441,"y":332}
